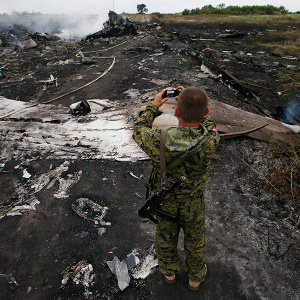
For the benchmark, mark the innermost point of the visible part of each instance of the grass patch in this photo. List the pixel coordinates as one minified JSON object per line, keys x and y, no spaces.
{"x":270,"y":20}
{"x":282,"y":43}
{"x":289,"y":80}
{"x":286,"y":178}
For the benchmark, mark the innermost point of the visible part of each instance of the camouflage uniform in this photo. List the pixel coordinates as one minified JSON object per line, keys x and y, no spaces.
{"x":187,"y":202}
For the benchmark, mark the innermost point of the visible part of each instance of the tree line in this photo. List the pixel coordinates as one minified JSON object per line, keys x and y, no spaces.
{"x":237,"y":10}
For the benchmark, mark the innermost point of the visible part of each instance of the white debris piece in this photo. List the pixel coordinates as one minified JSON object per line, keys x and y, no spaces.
{"x":112,"y":264}
{"x":144,"y":269}
{"x":81,"y":273}
{"x":101,"y":231}
{"x":161,"y":82}
{"x":132,"y":93}
{"x":26,"y":174}
{"x":65,"y":184}
{"x":134,"y":176}
{"x":122,"y":275}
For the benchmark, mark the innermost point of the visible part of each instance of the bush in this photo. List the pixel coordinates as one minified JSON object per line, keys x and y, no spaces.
{"x":237,"y":10}
{"x":186,"y":12}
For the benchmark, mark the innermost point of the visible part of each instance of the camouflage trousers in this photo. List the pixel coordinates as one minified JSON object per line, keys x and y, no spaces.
{"x":190,"y":211}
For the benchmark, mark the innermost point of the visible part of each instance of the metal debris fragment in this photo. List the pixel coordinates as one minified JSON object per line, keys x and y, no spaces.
{"x":132,"y":261}
{"x":89,"y":210}
{"x":120,"y":270}
{"x":30,"y":43}
{"x":80,"y":108}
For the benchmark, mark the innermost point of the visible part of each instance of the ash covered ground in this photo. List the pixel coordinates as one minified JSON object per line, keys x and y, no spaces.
{"x":252,"y":232}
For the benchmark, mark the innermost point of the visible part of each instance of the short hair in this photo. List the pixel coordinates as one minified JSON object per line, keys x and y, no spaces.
{"x":192,"y":104}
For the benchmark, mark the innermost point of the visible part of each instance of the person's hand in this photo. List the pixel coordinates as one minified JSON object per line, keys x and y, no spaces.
{"x":159,"y":100}
{"x":180,"y":89}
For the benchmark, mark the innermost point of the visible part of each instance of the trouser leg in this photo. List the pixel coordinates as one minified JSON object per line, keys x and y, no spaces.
{"x":166,"y":246}
{"x":195,"y":250}
{"x":194,"y":240}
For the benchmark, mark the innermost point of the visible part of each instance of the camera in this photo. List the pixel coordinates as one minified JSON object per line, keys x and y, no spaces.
{"x":171,"y":93}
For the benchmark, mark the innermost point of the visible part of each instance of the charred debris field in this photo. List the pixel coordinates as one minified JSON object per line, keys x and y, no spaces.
{"x":72,"y":179}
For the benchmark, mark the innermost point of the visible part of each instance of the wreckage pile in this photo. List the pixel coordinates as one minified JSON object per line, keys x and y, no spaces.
{"x":116,"y":25}
{"x":20,"y":37}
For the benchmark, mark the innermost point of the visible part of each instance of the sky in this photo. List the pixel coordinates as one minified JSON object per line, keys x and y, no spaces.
{"x":101,"y":7}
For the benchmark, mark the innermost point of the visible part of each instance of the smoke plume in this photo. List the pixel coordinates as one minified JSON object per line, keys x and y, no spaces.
{"x":78,"y":26}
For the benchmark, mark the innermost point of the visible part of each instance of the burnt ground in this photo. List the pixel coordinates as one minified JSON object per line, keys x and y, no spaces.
{"x":252,"y":234}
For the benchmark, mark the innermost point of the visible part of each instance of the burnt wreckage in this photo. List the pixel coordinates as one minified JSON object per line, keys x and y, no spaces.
{"x":116,"y":25}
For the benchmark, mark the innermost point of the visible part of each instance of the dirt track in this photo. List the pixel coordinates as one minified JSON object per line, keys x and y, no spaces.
{"x":253,"y":247}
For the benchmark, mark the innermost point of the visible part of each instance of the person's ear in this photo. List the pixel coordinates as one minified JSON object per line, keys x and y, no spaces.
{"x":177,"y":112}
{"x":207,"y":111}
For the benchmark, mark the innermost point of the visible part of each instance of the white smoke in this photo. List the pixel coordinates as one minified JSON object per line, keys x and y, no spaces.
{"x":77,"y":26}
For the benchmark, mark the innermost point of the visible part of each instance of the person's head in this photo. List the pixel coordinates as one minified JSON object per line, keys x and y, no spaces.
{"x":192,"y":104}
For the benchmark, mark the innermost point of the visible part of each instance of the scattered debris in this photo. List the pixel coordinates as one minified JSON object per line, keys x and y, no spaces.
{"x":51,"y":80}
{"x":26,"y":174}
{"x":147,"y":264}
{"x":89,"y":210}
{"x":80,"y":108}
{"x":50,"y":178}
{"x":101,"y":231}
{"x":22,"y":201}
{"x":19,"y":209}
{"x":134,"y":176}
{"x":9,"y":278}
{"x":30,"y":43}
{"x":217,"y":72}
{"x":231,"y":34}
{"x":65,"y":184}
{"x":81,"y":273}
{"x":161,"y":82}
{"x":132,"y":93}
{"x":84,"y":234}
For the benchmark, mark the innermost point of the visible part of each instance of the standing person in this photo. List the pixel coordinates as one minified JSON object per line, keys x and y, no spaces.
{"x":188,"y":151}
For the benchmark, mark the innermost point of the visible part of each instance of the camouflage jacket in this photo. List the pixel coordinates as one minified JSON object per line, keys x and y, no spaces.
{"x":180,"y":142}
